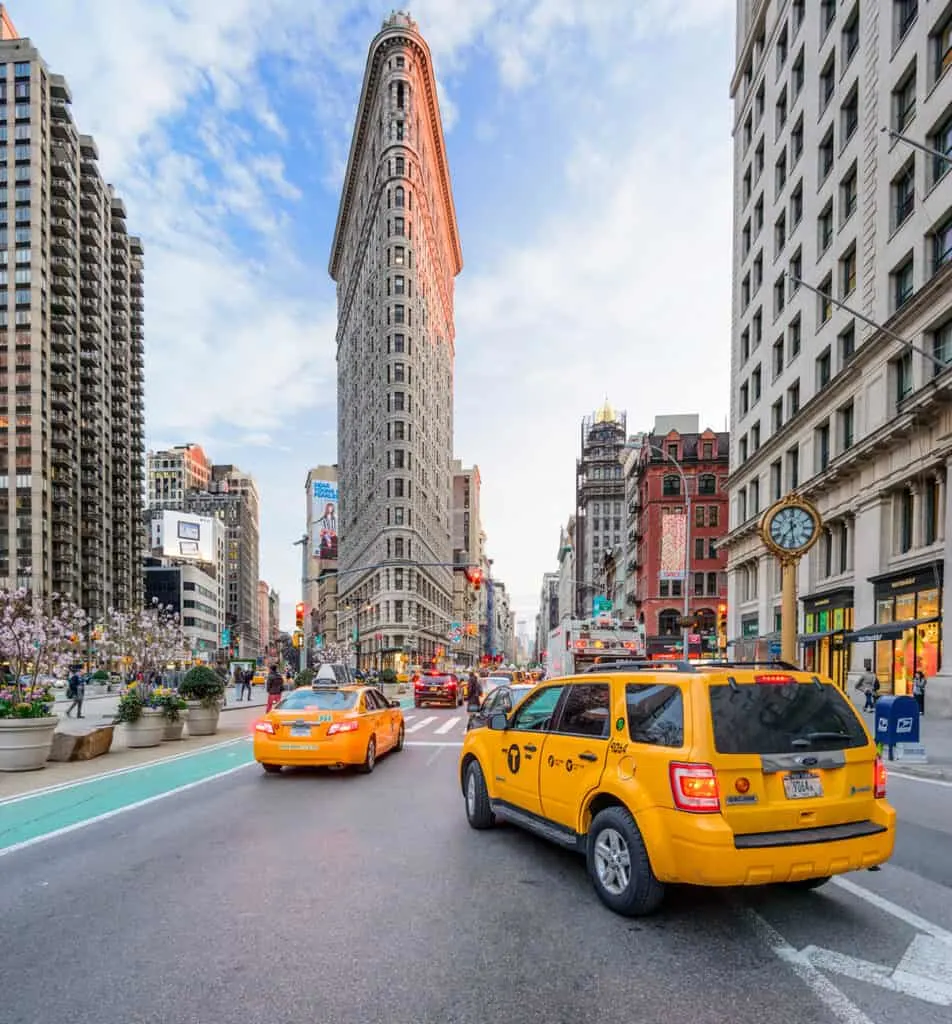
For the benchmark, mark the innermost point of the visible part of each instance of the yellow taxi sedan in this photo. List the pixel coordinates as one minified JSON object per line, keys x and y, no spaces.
{"x":329,"y":726}
{"x":712,"y":775}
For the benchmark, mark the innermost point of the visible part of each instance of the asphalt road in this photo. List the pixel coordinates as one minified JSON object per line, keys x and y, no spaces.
{"x":338,"y":898}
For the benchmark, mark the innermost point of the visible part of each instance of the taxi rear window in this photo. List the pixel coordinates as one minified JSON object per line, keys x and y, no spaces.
{"x":321,"y":700}
{"x":783,"y":719}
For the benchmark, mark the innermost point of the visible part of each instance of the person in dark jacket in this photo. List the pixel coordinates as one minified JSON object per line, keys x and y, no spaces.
{"x":275,"y":687}
{"x":246,"y":684}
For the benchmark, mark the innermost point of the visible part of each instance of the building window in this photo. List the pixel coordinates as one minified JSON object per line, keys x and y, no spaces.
{"x":793,"y":469}
{"x":823,"y":369}
{"x":669,"y":621}
{"x":847,"y":343}
{"x":848,"y":272}
{"x":825,"y":300}
{"x":713,"y":515}
{"x":903,"y":372}
{"x":822,"y":439}
{"x":399,"y":226}
{"x":849,"y":116}
{"x":942,"y":245}
{"x":827,"y":16}
{"x":906,"y":12}
{"x":776,"y":416}
{"x":941,"y":142}
{"x":796,"y":142}
{"x":780,"y":172}
{"x":942,"y":346}
{"x":754,"y":497}
{"x":827,"y":81}
{"x":902,"y":280}
{"x":846,"y":426}
{"x":904,"y":193}
{"x":796,"y":205}
{"x":905,"y":521}
{"x":776,"y":481}
{"x":707,"y":484}
{"x":932,"y":512}
{"x":780,"y":234}
{"x":699,"y":518}
{"x":848,"y":193}
{"x":399,"y":197}
{"x":671,"y":485}
{"x":904,"y":101}
{"x":851,"y":36}
{"x":796,"y":75}
{"x":825,"y":227}
{"x":826,"y":154}
{"x":699,"y":578}
{"x":793,"y":399}
{"x":941,"y":43}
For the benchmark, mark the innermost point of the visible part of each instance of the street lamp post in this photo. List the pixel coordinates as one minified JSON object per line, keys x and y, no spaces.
{"x":303,"y":541}
{"x":685,"y":628}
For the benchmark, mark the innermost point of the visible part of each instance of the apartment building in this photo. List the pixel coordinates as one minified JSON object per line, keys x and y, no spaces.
{"x":846,"y":404}
{"x":71,"y":351}
{"x":394,"y":258}
{"x":171,"y":473}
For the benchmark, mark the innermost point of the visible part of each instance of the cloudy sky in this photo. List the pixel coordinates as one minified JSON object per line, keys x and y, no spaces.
{"x":589,"y":143}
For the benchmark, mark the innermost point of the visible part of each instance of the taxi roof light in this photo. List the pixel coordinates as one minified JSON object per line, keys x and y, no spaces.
{"x":774,"y":678}
{"x":694,"y":788}
{"x":264,"y":727}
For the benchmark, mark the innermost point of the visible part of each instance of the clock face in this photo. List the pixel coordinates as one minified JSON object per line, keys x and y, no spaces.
{"x":792,"y":528}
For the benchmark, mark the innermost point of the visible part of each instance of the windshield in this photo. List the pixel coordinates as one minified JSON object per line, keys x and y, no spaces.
{"x":761,"y":719}
{"x":321,"y":700}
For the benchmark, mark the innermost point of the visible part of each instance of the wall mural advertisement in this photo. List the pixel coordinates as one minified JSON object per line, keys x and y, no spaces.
{"x":673,"y":545}
{"x":324,"y":526}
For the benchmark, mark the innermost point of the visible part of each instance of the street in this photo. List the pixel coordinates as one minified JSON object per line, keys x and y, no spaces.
{"x":337,"y":897}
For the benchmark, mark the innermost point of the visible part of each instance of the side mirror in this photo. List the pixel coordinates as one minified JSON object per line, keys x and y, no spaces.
{"x":499,"y":723}
{"x":394,"y":703}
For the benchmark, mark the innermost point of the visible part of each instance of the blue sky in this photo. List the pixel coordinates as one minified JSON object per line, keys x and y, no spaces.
{"x":589,"y":144}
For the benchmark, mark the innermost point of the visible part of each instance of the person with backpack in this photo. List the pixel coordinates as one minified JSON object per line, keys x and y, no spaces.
{"x":76,"y":692}
{"x":275,"y":687}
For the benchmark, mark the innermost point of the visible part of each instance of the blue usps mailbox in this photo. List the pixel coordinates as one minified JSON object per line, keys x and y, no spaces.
{"x":897,"y":721}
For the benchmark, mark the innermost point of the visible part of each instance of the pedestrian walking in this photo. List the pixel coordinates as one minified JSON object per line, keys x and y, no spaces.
{"x":275,"y":687}
{"x":76,"y":692}
{"x":868,"y":685}
{"x":246,"y":685}
{"x":919,"y":682}
{"x":473,"y":692}
{"x":238,"y":678}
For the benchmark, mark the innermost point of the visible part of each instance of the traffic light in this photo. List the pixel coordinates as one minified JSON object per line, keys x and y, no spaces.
{"x":299,"y":615}
{"x":298,"y":639}
{"x":474,"y":575}
{"x":722,"y":620}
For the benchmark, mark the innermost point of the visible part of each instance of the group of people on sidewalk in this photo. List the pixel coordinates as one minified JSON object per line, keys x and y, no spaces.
{"x":868,"y":684}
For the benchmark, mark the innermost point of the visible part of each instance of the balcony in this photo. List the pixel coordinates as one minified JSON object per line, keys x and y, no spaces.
{"x":63,"y":129}
{"x":90,"y":217}
{"x":62,"y":305}
{"x":63,"y":226}
{"x":62,"y":284}
{"x":61,"y":207}
{"x":64,"y":189}
{"x":62,"y":265}
{"x":63,"y":325}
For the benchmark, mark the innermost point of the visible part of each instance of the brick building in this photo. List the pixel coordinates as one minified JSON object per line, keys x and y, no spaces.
{"x":665,"y":540}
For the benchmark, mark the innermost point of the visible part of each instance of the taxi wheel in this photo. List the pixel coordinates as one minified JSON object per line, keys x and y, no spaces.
{"x":618,"y":864}
{"x":478,"y":812}
{"x":370,"y":759}
{"x":272,"y":769}
{"x":398,"y":746}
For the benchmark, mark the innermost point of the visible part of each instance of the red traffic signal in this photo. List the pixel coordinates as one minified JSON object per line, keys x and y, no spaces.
{"x":474,"y":575}
{"x":299,"y":615}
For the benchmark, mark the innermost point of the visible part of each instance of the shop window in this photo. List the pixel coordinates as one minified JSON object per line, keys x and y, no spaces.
{"x":669,"y":622}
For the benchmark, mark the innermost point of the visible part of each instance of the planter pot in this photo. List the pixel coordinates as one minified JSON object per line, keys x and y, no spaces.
{"x":173,"y":730}
{"x":25,"y":743}
{"x":202,"y":721}
{"x":147,"y":731}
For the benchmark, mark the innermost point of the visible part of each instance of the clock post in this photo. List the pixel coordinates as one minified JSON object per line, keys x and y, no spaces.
{"x":789,"y":528}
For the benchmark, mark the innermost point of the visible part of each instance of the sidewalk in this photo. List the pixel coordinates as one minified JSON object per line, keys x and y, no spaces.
{"x":235,"y":723}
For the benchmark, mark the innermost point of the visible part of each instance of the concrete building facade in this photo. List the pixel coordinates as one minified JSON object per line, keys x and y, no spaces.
{"x":547,"y":618}
{"x":824,"y":402}
{"x":173,"y":472}
{"x":71,"y":352}
{"x":194,"y":593}
{"x":467,"y":553}
{"x":394,"y":258}
{"x":599,"y":504}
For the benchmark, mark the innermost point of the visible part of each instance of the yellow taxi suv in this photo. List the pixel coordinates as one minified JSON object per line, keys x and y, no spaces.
{"x":329,"y":726}
{"x":713,"y":775}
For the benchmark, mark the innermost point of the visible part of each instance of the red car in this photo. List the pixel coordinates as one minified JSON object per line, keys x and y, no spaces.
{"x":437,"y":688}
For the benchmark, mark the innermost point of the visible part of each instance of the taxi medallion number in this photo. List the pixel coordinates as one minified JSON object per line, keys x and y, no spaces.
{"x":802,"y":786}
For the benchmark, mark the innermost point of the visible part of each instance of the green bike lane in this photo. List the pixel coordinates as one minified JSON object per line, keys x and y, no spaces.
{"x":58,"y":810}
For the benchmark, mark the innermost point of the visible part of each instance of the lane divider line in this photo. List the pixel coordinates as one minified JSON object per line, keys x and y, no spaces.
{"x":60,"y":786}
{"x":920,"y":924}
{"x":433,"y":743}
{"x":66,"y":829}
{"x":918,"y":778}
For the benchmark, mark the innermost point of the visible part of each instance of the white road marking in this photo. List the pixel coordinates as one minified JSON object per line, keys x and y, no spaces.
{"x":913,"y":920}
{"x":434,"y":743}
{"x":447,"y":726}
{"x":832,"y":998}
{"x":422,"y":724}
{"x":919,"y":778}
{"x":121,"y":810}
{"x":120,"y":771}
{"x":436,"y":753}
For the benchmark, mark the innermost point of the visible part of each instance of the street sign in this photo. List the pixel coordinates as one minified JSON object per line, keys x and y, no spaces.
{"x":775,"y":649}
{"x":601,"y":604}
{"x":225,"y":637}
{"x":694,"y":638}
{"x":318,"y":642}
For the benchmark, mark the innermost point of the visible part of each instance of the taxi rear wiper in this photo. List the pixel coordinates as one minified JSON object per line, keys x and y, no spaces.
{"x":813,"y":737}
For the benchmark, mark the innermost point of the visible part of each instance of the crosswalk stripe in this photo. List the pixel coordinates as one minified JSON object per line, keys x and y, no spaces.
{"x":408,"y":718}
{"x":421,"y":724}
{"x":447,"y":726}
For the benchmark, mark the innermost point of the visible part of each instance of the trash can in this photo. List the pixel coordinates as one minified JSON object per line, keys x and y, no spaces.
{"x":897,"y":721}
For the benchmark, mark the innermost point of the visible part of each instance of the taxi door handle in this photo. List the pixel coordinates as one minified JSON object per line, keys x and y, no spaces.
{"x":530,"y":747}
{"x":587,"y":757}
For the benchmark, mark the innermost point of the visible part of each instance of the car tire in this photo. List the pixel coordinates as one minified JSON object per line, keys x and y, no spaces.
{"x":805,"y":884}
{"x":401,"y":737}
{"x":370,"y":758}
{"x":613,"y":839}
{"x":272,"y":769}
{"x":417,"y":704}
{"x":478,"y":811}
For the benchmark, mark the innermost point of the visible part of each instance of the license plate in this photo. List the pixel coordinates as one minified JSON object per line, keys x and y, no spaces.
{"x":802,"y":787}
{"x":433,"y":689}
{"x":300,"y":730}
{"x":297,"y":747}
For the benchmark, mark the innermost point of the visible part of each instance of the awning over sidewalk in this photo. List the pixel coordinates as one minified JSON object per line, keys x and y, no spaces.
{"x":887,"y":630}
{"x":811,"y":638}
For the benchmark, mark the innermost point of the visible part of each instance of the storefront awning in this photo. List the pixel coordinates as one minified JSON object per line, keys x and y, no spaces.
{"x":887,"y":630}
{"x":811,"y":638}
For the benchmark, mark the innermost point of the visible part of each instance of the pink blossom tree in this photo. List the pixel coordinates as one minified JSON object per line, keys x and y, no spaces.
{"x":37,"y":638}
{"x":144,"y":640}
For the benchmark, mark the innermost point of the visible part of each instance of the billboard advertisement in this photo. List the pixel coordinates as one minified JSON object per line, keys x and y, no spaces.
{"x":181,"y":535}
{"x":673,"y":545}
{"x":324,"y":524}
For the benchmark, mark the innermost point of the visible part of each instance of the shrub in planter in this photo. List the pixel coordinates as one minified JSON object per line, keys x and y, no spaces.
{"x":170,"y":703}
{"x":204,"y":685}
{"x":145,"y":724}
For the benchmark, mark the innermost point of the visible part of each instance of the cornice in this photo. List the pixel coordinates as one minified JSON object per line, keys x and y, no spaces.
{"x":383,"y":43}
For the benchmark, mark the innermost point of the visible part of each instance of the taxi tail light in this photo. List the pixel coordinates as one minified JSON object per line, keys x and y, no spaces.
{"x":879,"y":779}
{"x":338,"y":727}
{"x":774,"y":678}
{"x":264,"y":727}
{"x":694,"y":788}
